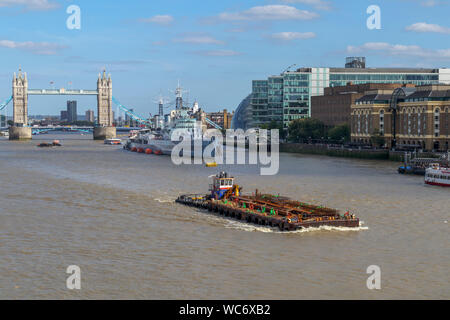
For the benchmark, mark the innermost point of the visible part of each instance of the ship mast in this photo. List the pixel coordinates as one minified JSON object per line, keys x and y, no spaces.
{"x":179,"y":96}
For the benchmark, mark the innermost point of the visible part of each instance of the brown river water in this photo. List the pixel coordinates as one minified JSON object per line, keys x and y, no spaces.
{"x":112,"y":213}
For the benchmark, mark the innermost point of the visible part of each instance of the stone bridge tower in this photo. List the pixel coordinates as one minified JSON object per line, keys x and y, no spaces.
{"x":20,"y":129}
{"x":104,"y":128}
{"x":20,"y":99}
{"x":104,"y":102}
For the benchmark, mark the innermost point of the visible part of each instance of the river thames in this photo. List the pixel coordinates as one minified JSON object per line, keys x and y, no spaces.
{"x":112,"y":213}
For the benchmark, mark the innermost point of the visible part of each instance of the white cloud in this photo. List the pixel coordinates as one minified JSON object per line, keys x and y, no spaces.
{"x":385,"y":48}
{"x":430,"y":3}
{"x":30,"y":4}
{"x":41,"y":48}
{"x":198,"y":39}
{"x":425,"y":27}
{"x":318,"y":4}
{"x":163,"y":20}
{"x":268,"y":12}
{"x":218,"y":53}
{"x":289,"y":36}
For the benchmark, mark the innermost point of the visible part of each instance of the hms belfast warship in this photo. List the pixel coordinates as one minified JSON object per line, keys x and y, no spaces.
{"x":186,"y":120}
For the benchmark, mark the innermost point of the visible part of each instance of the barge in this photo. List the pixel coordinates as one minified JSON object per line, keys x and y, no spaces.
{"x":225,"y":198}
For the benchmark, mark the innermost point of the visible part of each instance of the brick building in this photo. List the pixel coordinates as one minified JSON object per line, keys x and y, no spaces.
{"x":334,"y":107}
{"x":221,"y":118}
{"x":421,"y":117}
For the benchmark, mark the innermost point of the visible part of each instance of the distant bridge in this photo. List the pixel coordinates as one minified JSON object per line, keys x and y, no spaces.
{"x":105,"y":100}
{"x":86,"y":129}
{"x":62,"y":91}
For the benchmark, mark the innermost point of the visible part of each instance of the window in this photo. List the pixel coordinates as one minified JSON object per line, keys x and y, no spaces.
{"x":436,"y":122}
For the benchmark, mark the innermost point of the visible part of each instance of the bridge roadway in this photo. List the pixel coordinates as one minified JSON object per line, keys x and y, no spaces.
{"x":74,"y":128}
{"x":62,"y":91}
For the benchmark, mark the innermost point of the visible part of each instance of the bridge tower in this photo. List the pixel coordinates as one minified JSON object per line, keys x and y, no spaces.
{"x":104,"y":102}
{"x":104,"y":128}
{"x":20,"y":99}
{"x":20,"y":130}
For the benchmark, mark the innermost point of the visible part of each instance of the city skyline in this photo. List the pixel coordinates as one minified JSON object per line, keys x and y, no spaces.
{"x":153,"y":45}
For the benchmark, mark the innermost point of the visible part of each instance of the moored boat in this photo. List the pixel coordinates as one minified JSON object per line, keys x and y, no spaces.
{"x":113,"y":141}
{"x":55,"y":143}
{"x":436,"y":175}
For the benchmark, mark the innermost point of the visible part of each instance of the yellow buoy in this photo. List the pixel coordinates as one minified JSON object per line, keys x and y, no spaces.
{"x":211,"y":164}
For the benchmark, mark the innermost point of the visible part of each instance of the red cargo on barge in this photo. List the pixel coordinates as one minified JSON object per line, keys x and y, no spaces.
{"x":264,"y":209}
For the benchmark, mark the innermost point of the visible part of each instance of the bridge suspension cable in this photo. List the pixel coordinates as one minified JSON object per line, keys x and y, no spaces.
{"x":4,"y":117}
{"x":215,"y":125}
{"x":4,"y":104}
{"x":130,"y":113}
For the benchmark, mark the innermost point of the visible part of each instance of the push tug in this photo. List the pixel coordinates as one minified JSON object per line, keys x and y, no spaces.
{"x":264,"y":209}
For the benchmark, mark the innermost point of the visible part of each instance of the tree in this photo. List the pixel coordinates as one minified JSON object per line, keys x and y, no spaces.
{"x":275,"y":125}
{"x":304,"y":129}
{"x":10,"y":123}
{"x":340,"y":133}
{"x":377,"y":138}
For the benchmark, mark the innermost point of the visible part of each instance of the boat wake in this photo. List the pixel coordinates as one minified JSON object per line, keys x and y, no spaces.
{"x":232,"y":224}
{"x":165,"y":200}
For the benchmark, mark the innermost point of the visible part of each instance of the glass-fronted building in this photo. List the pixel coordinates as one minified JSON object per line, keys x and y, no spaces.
{"x":243,"y":118}
{"x":288,"y":96}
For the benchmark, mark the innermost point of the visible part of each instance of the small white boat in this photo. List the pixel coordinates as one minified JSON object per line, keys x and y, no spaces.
{"x":113,"y":141}
{"x":437,"y":175}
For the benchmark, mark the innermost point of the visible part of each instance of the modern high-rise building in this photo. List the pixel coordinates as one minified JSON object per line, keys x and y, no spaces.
{"x":71,"y":111}
{"x":63,"y":116}
{"x":90,"y":116}
{"x":129,"y":121}
{"x":242,"y":117}
{"x":286,"y":97}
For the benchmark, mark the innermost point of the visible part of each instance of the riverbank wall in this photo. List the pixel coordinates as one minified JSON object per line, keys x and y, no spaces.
{"x":326,"y":150}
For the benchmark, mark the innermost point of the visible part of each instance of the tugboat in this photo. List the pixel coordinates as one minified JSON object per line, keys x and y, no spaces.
{"x":437,"y":176}
{"x":55,"y":143}
{"x":265,"y":209}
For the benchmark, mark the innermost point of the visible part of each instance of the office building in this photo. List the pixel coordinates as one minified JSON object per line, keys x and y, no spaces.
{"x":71,"y":111}
{"x":287,"y":97}
{"x":129,"y":121}
{"x":63,"y":116}
{"x":242,"y":118}
{"x":90,"y":116}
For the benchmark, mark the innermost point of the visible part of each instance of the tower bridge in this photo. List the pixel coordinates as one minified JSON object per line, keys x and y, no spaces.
{"x":104,"y":127}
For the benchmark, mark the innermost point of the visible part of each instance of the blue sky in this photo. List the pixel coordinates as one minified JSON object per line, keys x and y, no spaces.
{"x":215,"y":48}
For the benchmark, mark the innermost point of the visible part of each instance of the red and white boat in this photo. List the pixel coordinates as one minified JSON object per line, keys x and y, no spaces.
{"x":437,"y":175}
